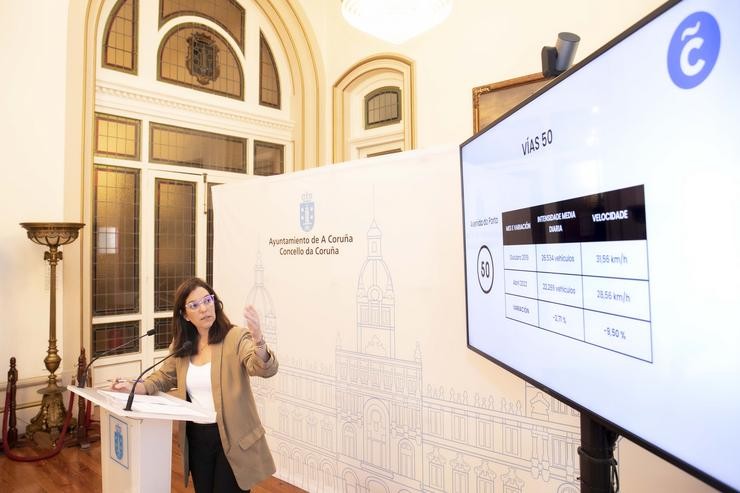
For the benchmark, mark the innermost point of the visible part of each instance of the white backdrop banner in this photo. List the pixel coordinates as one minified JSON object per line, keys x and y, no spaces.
{"x":357,"y":272}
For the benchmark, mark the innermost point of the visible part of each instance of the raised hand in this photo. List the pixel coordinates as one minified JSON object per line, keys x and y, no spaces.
{"x":253,"y":324}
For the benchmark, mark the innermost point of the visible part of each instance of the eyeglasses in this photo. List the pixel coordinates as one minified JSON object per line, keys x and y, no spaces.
{"x":207,"y":300}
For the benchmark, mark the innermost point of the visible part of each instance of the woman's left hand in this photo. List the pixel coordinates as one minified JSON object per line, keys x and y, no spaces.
{"x":253,"y":323}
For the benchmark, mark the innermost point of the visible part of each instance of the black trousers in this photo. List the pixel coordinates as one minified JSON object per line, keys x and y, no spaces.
{"x":209,"y":467}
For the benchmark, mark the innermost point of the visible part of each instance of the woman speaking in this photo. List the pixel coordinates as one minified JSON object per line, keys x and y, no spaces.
{"x":230,"y":454}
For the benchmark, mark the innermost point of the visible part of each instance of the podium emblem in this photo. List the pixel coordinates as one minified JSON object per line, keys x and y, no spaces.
{"x":307,"y":212}
{"x":118,"y":444}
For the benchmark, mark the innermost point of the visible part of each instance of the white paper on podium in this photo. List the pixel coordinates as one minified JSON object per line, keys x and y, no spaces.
{"x":157,"y":404}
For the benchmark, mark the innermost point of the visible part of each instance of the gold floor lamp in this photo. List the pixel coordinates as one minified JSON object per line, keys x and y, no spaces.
{"x":46,"y":426}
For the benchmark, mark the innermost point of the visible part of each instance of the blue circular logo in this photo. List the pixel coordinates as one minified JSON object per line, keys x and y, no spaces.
{"x":693,"y":50}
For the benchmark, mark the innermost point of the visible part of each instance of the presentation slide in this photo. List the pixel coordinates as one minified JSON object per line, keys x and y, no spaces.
{"x":602,"y":239}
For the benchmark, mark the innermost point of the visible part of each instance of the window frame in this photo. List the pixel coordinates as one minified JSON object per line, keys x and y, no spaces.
{"x":376,"y":93}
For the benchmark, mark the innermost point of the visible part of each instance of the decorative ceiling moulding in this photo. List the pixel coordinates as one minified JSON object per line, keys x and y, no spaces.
{"x":395,"y":21}
{"x":110,"y":98}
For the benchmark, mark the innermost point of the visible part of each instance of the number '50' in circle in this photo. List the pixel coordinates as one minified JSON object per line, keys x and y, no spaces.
{"x":484,"y":266}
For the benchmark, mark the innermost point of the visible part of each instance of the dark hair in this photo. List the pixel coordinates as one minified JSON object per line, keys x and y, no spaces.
{"x":183,"y":330}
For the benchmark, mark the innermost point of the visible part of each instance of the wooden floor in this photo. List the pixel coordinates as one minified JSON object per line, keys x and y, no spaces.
{"x":77,"y":470}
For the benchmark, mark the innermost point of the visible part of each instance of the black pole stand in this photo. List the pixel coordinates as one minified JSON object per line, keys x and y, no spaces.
{"x":597,"y":457}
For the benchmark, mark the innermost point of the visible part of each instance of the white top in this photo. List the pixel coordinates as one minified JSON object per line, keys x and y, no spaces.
{"x":198,"y":385}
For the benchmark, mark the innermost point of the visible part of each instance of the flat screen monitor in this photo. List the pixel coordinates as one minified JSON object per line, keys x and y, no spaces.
{"x":601,"y":225}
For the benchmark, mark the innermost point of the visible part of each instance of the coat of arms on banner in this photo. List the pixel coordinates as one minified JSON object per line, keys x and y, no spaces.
{"x":307,"y":212}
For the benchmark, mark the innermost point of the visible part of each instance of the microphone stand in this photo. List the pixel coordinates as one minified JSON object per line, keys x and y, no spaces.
{"x":185,"y":347}
{"x":83,"y":379}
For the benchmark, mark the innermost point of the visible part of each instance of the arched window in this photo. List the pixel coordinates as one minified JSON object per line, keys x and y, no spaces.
{"x":375,"y":486}
{"x":350,"y":482}
{"x":328,"y":478}
{"x":269,"y":79}
{"x":296,"y":468}
{"x":159,"y":147}
{"x":383,"y":107}
{"x":406,"y":462}
{"x":373,"y":108}
{"x":196,"y":56}
{"x":312,"y":474}
{"x":119,"y":40}
{"x":568,"y":488}
{"x":349,"y":441}
{"x":283,"y":459}
{"x":376,"y":436}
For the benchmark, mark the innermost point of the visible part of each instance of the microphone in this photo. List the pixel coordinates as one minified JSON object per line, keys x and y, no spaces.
{"x":83,"y":379}
{"x":185,"y":347}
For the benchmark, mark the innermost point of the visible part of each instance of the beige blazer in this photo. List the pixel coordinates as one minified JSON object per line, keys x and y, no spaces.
{"x":242,"y":435}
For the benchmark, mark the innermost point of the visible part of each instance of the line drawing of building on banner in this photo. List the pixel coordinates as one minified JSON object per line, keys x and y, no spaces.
{"x":371,"y":424}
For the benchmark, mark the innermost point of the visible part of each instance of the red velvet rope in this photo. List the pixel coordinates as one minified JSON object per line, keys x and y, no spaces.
{"x":53,"y":452}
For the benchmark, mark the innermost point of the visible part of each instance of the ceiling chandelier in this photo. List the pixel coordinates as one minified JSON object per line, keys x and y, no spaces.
{"x":395,"y":21}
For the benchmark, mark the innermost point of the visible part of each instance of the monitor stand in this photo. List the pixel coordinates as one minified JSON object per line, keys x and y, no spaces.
{"x":597,"y":456}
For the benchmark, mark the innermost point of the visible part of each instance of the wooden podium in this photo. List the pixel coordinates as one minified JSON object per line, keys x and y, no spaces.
{"x":136,"y":445}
